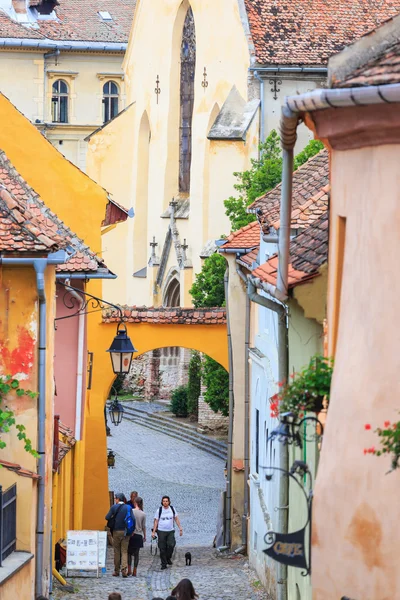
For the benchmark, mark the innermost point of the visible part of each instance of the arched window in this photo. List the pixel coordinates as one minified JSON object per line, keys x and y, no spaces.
{"x":172,"y":295}
{"x":110,"y":101}
{"x":59,"y":102}
{"x":188,"y":65}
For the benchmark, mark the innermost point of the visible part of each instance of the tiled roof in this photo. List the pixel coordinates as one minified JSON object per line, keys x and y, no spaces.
{"x":245,"y":238}
{"x":16,"y":468}
{"x":66,"y":440}
{"x":308,"y":32}
{"x":27,"y":225}
{"x":248,"y":259}
{"x":309,"y":181}
{"x":11,"y":29}
{"x":308,"y":252}
{"x":382,"y":70}
{"x":79,"y":20}
{"x":168,"y":316}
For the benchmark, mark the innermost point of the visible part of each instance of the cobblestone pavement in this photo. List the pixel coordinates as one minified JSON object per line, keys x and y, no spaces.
{"x":155,"y":464}
{"x":214,"y":578}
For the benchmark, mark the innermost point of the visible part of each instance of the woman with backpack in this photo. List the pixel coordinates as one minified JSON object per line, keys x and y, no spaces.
{"x":121,"y":522}
{"x":138,"y":537}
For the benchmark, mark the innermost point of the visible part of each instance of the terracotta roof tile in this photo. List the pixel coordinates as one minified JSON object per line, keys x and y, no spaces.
{"x":27,"y":225}
{"x":79,"y":20}
{"x":310,"y":189}
{"x":308,"y":252}
{"x":16,"y":468}
{"x":66,"y":440}
{"x":168,"y":315}
{"x":382,"y":70}
{"x":76,"y":20}
{"x":245,"y":238}
{"x":308,"y":32}
{"x":248,"y":259}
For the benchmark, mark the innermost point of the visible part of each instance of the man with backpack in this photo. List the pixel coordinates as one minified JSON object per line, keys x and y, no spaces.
{"x":164,"y":526}
{"x":121,"y":522}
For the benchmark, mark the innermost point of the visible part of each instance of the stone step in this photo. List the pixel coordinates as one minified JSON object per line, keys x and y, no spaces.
{"x":180,"y":427}
{"x":201,"y":442}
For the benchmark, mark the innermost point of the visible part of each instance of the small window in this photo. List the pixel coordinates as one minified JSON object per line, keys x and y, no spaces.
{"x":105,"y":15}
{"x":110,"y":101}
{"x":59,"y":102}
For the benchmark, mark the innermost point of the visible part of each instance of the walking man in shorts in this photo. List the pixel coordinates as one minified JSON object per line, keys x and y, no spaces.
{"x":164,"y":526}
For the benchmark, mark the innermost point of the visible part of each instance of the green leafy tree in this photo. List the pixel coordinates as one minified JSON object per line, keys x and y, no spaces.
{"x":194,"y":384}
{"x":208,"y":287}
{"x":8,"y":386}
{"x":216,"y":379}
{"x":265,"y":173}
{"x":179,"y":401}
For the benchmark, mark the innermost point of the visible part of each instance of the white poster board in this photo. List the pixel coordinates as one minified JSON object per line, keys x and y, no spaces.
{"x":86,"y":550}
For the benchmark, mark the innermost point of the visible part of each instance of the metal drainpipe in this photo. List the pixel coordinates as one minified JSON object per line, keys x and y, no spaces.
{"x":246,"y":503}
{"x":40,"y":264}
{"x":283,"y":449}
{"x":228,"y":520}
{"x":262,"y":124}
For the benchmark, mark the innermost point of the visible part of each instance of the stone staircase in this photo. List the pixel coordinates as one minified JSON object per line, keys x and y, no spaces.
{"x":180,"y":431}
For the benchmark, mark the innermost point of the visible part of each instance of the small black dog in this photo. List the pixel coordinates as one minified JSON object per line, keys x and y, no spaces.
{"x":188,"y":558}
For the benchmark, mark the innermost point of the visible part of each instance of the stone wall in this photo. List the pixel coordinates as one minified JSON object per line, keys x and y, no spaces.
{"x":208,"y":419}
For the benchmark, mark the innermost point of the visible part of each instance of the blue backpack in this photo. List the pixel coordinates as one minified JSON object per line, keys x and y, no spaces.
{"x":129,"y":521}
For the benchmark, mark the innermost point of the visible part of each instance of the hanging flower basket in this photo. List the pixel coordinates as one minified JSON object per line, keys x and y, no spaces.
{"x":308,"y":391}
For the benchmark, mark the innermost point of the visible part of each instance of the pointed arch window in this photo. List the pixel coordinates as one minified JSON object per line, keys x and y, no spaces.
{"x":188,"y":66}
{"x":110,"y":100}
{"x":59,"y":102}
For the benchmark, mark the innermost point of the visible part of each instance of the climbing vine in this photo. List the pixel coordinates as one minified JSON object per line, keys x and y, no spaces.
{"x":10,"y":385}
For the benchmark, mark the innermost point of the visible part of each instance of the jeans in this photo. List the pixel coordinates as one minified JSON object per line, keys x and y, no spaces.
{"x":121,"y":542}
{"x":166,"y":544}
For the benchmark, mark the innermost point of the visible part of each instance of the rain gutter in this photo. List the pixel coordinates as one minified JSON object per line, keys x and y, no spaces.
{"x":309,"y":102}
{"x":262,"y":119}
{"x":86,"y":276}
{"x":46,"y":44}
{"x":292,"y":69}
{"x":40,"y":264}
{"x":238,"y":251}
{"x":228,"y":518}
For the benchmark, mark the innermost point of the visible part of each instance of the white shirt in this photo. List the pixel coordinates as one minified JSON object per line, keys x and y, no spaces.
{"x":166,"y":520}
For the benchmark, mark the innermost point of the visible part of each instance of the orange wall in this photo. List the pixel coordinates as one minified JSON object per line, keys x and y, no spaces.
{"x":357,"y":508}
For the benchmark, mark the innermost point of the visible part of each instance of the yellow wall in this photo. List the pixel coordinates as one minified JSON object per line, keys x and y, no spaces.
{"x":27,"y":80}
{"x":19,"y":330}
{"x":116,"y":153}
{"x":20,"y":585}
{"x":63,"y":498}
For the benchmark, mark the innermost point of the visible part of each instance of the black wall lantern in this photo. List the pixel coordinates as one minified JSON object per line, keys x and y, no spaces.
{"x":121,"y":351}
{"x":111,"y":459}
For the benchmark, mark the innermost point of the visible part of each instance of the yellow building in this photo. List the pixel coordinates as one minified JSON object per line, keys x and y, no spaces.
{"x":61,"y":66}
{"x":41,"y":198}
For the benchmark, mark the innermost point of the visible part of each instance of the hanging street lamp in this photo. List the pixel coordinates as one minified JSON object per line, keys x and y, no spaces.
{"x":291,"y":431}
{"x":111,"y":459}
{"x":116,"y":412}
{"x":121,"y":351}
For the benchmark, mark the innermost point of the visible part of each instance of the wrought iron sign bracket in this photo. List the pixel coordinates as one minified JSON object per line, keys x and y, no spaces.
{"x":94,"y":303}
{"x":290,"y":548}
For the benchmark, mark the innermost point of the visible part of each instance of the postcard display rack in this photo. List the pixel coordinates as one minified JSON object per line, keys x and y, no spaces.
{"x":86,"y":551}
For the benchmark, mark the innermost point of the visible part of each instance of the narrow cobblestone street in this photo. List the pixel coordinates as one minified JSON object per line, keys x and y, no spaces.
{"x":154,"y":464}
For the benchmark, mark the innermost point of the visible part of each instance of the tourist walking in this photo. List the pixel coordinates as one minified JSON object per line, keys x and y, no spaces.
{"x":133,"y":497}
{"x":117,"y":522}
{"x":138,"y":537}
{"x":164,"y":526}
{"x":184,"y":590}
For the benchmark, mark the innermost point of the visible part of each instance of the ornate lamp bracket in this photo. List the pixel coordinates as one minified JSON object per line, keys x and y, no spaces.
{"x":89,"y":303}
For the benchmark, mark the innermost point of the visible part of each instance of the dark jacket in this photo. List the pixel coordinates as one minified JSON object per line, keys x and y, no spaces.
{"x":120,"y":518}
